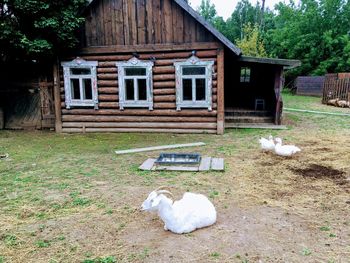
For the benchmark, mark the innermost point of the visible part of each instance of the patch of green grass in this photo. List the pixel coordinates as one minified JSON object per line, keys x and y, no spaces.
{"x":10,"y":240}
{"x":139,"y":256}
{"x":332,"y":235}
{"x":42,"y":243}
{"x":213,"y":194}
{"x":109,"y":259}
{"x":306,"y":252}
{"x":2,"y":259}
{"x":215,"y":255}
{"x":325,"y":228}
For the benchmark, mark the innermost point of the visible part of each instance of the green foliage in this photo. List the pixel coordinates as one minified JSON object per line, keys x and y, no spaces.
{"x":251,"y":44}
{"x":109,"y":259}
{"x":32,"y":29}
{"x":315,"y":32}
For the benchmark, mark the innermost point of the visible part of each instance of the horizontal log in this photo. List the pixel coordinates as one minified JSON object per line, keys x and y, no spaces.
{"x":164,"y":70}
{"x":107,"y":90}
{"x":164,"y":84}
{"x":142,"y":112}
{"x":108,"y":97}
{"x":170,"y":62}
{"x":106,"y":64}
{"x":174,"y":125}
{"x":107,"y":83}
{"x":137,"y":130}
{"x":113,"y":69}
{"x":107,"y":76}
{"x":164,"y":105}
{"x":164,"y":77}
{"x":167,"y":98}
{"x":107,"y":118}
{"x":108,"y":105}
{"x":164,"y":92}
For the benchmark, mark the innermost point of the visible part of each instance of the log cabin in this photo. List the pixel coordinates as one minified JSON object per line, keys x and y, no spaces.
{"x":158,"y":66}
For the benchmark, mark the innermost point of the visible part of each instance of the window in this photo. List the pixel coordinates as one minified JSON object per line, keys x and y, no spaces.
{"x":80,"y":83}
{"x":135,"y":84}
{"x":245,"y":74}
{"x":194,"y":83}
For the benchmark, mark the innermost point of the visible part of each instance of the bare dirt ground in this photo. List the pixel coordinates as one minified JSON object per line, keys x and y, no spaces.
{"x":75,"y":205}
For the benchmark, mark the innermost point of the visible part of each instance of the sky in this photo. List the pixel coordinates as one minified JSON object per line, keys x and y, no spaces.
{"x":225,"y":8}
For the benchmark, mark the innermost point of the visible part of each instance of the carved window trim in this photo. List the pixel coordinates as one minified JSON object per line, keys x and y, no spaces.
{"x":135,"y":63}
{"x":194,"y":62}
{"x":79,"y":63}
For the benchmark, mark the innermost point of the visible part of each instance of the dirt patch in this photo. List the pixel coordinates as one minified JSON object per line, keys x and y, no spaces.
{"x":317,"y":171}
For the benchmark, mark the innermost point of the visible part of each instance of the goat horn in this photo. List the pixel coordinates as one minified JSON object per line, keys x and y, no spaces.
{"x":165,"y":192}
{"x":163,"y":188}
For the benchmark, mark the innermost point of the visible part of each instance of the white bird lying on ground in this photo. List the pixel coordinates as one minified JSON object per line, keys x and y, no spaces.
{"x":285,"y":150}
{"x":191,"y":212}
{"x":267,"y":144}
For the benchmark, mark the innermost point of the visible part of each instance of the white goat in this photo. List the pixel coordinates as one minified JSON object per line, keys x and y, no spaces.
{"x":193,"y":211}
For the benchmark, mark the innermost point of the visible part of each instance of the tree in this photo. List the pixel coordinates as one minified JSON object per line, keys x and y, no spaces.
{"x":37,"y":29}
{"x":251,"y":44}
{"x":207,"y":10}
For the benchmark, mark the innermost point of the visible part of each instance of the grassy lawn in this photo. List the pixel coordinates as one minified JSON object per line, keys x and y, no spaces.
{"x":69,"y":198}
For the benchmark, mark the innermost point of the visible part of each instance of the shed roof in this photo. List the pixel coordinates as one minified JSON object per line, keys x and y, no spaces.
{"x":185,"y":6}
{"x":288,"y":63}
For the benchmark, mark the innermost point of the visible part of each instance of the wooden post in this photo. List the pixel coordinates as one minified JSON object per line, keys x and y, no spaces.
{"x":279,"y":100}
{"x":221,"y":92}
{"x":57,"y":97}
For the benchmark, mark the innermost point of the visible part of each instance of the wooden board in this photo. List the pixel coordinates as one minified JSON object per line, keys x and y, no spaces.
{"x":177,"y":168}
{"x":217,"y":164}
{"x":157,"y":148}
{"x":147,"y":165}
{"x":205,"y":164}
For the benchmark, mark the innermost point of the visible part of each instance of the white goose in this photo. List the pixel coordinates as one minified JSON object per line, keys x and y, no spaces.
{"x":267,"y":144}
{"x":285,"y":150}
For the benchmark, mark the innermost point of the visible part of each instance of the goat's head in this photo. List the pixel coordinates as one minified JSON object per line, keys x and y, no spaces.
{"x":153,"y":200}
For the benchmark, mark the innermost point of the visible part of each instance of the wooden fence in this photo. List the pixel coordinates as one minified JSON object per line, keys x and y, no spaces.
{"x":336,"y":86}
{"x":310,"y":86}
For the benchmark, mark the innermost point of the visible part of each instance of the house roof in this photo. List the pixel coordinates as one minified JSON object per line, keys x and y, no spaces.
{"x":185,"y":6}
{"x":287,"y":63}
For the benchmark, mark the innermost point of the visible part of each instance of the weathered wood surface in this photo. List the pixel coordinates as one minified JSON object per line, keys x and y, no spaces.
{"x":217,"y":164}
{"x":147,"y":165}
{"x":336,"y":86}
{"x":205,"y":164}
{"x":164,"y":147}
{"x":164,"y":111}
{"x":310,"y":86}
{"x":138,"y":22}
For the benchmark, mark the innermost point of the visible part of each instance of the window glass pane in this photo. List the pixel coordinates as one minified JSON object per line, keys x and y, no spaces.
{"x":135,"y":71}
{"x":187,"y":89}
{"x":142,"y":89}
{"x":87,"y":89}
{"x":193,"y":71}
{"x":129,"y":89}
{"x":245,"y":74}
{"x":200,"y":89}
{"x":80,"y":71}
{"x":75,"y":89}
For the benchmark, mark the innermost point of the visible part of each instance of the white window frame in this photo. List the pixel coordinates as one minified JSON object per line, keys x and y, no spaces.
{"x":135,"y":63}
{"x":194,"y":62}
{"x":79,"y":63}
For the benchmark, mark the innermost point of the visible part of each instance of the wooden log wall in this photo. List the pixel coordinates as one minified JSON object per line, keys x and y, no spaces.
{"x":139,"y":22}
{"x":164,"y":117}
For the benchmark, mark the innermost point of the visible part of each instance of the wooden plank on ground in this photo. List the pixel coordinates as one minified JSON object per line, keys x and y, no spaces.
{"x":177,"y":168}
{"x":205,"y":164}
{"x":156,"y":148}
{"x":217,"y":164}
{"x":147,"y":165}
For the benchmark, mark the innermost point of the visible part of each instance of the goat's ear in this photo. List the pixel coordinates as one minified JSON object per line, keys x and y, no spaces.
{"x":156,"y":201}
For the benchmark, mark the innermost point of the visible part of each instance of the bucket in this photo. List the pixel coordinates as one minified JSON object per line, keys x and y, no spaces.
{"x":2,"y":119}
